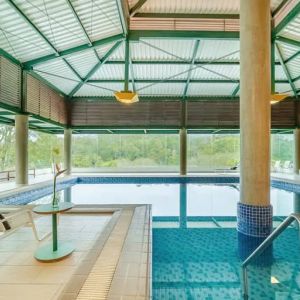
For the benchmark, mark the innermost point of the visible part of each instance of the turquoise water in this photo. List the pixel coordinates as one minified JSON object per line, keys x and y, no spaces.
{"x":196,"y":250}
{"x":204,"y":263}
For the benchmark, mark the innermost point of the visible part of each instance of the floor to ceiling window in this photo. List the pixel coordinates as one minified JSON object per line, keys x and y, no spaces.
{"x":126,"y":152}
{"x":213,"y":152}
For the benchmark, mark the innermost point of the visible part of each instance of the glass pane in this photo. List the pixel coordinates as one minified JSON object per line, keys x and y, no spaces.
{"x":126,"y":152}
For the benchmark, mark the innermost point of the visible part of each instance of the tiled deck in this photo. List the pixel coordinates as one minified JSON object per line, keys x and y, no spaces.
{"x":95,"y":232}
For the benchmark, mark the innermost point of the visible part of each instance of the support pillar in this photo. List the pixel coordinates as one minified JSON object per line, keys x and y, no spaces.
{"x":296,"y":151}
{"x":68,"y":151}
{"x":254,"y":209}
{"x":21,"y":127}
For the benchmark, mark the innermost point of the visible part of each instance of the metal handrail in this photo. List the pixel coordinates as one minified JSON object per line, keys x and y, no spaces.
{"x":265,"y":244}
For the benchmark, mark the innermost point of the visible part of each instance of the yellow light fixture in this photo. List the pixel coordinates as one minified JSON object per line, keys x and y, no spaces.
{"x":127,"y":97}
{"x":275,"y":98}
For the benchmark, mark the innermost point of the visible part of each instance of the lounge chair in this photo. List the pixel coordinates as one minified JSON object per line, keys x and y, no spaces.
{"x":13,"y":217}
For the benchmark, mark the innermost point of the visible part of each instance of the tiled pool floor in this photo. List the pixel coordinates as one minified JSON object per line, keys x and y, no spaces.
{"x":204,"y":263}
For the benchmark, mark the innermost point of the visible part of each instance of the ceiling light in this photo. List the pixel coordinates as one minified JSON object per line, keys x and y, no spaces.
{"x":126,"y":97}
{"x":275,"y":98}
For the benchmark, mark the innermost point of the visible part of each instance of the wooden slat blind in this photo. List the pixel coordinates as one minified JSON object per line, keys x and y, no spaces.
{"x":10,"y":83}
{"x":45,"y":102}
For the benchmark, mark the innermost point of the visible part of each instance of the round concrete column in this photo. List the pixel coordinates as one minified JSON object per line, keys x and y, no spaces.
{"x":68,"y":151}
{"x":254,"y":210}
{"x":297,"y":151}
{"x":21,"y":126}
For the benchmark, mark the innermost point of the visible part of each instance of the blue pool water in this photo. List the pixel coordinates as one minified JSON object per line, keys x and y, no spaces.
{"x":196,"y":250}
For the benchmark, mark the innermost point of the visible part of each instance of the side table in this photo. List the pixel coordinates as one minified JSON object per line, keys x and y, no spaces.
{"x":55,"y":251}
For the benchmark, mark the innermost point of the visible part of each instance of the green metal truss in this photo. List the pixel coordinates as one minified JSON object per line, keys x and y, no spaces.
{"x":135,"y":35}
{"x":77,"y":49}
{"x":196,"y":47}
{"x":186,"y":16}
{"x":286,"y":71}
{"x":287,"y":19}
{"x":136,"y":7}
{"x":28,"y":21}
{"x":95,"y":68}
{"x":173,"y":81}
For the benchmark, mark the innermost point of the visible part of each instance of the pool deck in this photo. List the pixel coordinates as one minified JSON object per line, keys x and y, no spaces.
{"x":112,"y":257}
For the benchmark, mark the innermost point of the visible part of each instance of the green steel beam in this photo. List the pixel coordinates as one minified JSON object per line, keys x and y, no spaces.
{"x":196,"y":47}
{"x":64,"y":53}
{"x":288,"y":41}
{"x":126,"y":74}
{"x":161,"y":98}
{"x":79,"y":22}
{"x":173,"y":81}
{"x":28,"y":21}
{"x":95,"y":68}
{"x":186,"y":16}
{"x":132,"y":74}
{"x":296,"y":79}
{"x":272,"y":66}
{"x":287,"y":19}
{"x":292,"y":57}
{"x":136,"y":7}
{"x":286,"y":71}
{"x":279,"y":7}
{"x":19,"y":11}
{"x":236,"y":90}
{"x":178,"y":62}
{"x":9,"y":57}
{"x":6,"y":113}
{"x":135,"y":35}
{"x":10,"y":107}
{"x":123,"y":11}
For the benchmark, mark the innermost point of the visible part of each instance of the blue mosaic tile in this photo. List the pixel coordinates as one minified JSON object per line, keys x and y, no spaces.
{"x":254,"y":220}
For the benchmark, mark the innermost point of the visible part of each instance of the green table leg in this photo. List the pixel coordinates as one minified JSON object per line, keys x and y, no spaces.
{"x":53,"y":252}
{"x":54,"y":231}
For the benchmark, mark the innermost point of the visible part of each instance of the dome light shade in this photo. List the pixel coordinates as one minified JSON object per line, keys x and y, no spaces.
{"x":127,"y":97}
{"x":275,"y":98}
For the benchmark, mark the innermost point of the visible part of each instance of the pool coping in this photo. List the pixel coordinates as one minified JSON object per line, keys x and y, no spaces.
{"x":131,"y":285}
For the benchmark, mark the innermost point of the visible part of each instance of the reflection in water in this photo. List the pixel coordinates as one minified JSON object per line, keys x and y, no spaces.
{"x":183,"y":206}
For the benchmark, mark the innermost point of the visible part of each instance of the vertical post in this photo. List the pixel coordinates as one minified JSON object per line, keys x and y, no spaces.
{"x":21,"y":126}
{"x":126,"y":75}
{"x":68,"y":151}
{"x":296,"y":150}
{"x":54,"y":231}
{"x":183,"y":139}
{"x":254,"y":209}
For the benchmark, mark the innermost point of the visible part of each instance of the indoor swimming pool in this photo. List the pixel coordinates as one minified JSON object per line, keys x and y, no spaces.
{"x":196,"y":250}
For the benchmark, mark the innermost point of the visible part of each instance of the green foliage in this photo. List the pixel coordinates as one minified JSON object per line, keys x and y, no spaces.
{"x":205,"y":152}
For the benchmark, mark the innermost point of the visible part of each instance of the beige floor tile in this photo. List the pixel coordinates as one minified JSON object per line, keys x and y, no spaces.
{"x":27,"y":292}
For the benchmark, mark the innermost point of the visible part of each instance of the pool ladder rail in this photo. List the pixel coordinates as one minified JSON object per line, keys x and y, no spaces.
{"x":265,"y":244}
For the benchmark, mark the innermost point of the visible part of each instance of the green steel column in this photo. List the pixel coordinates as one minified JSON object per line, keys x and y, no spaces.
{"x":68,"y":151}
{"x":183,"y":139}
{"x":272,"y":66}
{"x":126,"y":75}
{"x":21,"y":126}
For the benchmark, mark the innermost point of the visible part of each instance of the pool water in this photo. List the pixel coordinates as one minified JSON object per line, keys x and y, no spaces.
{"x":196,"y":250}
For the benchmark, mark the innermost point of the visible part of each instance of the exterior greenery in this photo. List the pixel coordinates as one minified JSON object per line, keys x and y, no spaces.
{"x":137,"y":152}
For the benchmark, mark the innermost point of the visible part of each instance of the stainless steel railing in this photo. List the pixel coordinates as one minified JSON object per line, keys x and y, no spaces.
{"x":265,"y":244}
